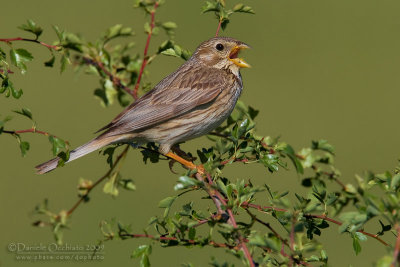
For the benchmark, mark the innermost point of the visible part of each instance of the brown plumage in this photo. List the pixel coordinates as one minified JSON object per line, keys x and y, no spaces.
{"x":190,"y":102}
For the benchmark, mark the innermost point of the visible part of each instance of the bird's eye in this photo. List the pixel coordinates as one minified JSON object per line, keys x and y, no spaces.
{"x":219,"y":47}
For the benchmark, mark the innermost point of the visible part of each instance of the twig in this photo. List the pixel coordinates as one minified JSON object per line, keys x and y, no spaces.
{"x":261,"y":208}
{"x":292,"y":238}
{"x":7,"y":72}
{"x":116,"y":81}
{"x":146,"y":48}
{"x":31,"y":130}
{"x":233,"y":160}
{"x":219,"y":201}
{"x":218,"y":28}
{"x":224,"y":136}
{"x":9,"y":40}
{"x":89,"y":189}
{"x":324,"y":217}
{"x":340,"y":223}
{"x":254,"y":217}
{"x":168,"y":238}
{"x":396,"y":248}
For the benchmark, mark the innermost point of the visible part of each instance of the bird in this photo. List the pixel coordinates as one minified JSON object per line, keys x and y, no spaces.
{"x":190,"y":102}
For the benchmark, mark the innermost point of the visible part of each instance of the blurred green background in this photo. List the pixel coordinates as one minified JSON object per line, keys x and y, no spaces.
{"x":321,"y":69}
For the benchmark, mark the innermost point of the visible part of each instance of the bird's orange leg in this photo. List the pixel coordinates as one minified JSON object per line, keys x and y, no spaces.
{"x":184,"y":162}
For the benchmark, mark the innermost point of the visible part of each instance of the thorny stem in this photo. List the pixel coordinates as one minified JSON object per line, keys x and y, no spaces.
{"x":324,"y":217}
{"x":396,"y":248}
{"x":146,"y":48}
{"x":166,"y":238}
{"x":9,"y":40}
{"x":116,"y":81}
{"x":340,"y":223}
{"x":219,"y":201}
{"x":101,"y":179}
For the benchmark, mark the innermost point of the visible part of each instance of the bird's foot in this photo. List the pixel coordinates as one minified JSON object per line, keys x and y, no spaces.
{"x":178,"y":151}
{"x":186,"y":163}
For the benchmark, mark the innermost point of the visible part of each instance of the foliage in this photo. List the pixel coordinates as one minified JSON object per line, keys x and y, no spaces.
{"x":299,"y":217}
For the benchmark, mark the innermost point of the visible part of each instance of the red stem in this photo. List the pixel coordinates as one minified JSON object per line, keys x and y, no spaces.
{"x":218,"y":28}
{"x":292,"y":233}
{"x":9,"y":40}
{"x":218,"y":200}
{"x":233,"y":160}
{"x":396,"y":248}
{"x":116,"y":81}
{"x":146,"y":48}
{"x":31,"y":130}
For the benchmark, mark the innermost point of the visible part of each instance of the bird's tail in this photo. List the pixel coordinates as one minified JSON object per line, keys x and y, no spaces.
{"x":87,"y":148}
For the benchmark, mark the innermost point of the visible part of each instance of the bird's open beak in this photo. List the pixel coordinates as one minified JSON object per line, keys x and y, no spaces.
{"x":233,"y":56}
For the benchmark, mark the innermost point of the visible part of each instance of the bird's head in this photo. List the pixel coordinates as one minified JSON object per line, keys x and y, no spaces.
{"x":221,"y":53}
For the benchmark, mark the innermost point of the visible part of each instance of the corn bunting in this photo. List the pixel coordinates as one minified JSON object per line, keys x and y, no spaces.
{"x":188,"y":103}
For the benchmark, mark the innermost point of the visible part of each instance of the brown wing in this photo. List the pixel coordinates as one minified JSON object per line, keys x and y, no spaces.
{"x":180,"y":92}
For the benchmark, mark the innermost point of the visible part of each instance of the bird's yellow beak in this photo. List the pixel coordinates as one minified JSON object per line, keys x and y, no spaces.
{"x":238,"y":61}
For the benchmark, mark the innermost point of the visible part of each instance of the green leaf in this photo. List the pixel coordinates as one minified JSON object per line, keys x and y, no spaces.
{"x":293,"y":157}
{"x":24,"y":112}
{"x":123,"y":99}
{"x":356,"y":245}
{"x":113,"y":31}
{"x":385,"y":261}
{"x":16,"y":93}
{"x":167,"y":202}
{"x":394,"y":184}
{"x":24,"y":55}
{"x":60,"y":33}
{"x":271,"y":162}
{"x":242,"y":8}
{"x":50,"y":62}
{"x":209,"y":6}
{"x":170,"y":52}
{"x":57,"y":144}
{"x":186,"y":182}
{"x":169,"y":25}
{"x":253,"y":112}
{"x":19,"y":57}
{"x":361,"y":236}
{"x":110,"y":91}
{"x":64,"y":157}
{"x":31,"y":27}
{"x":24,"y":146}
{"x":72,"y":41}
{"x":323,"y":145}
{"x":143,"y":253}
{"x":142,"y":249}
{"x":127,"y":184}
{"x":64,"y":61}
{"x":110,"y":187}
{"x":109,"y":151}
{"x":192,"y":233}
